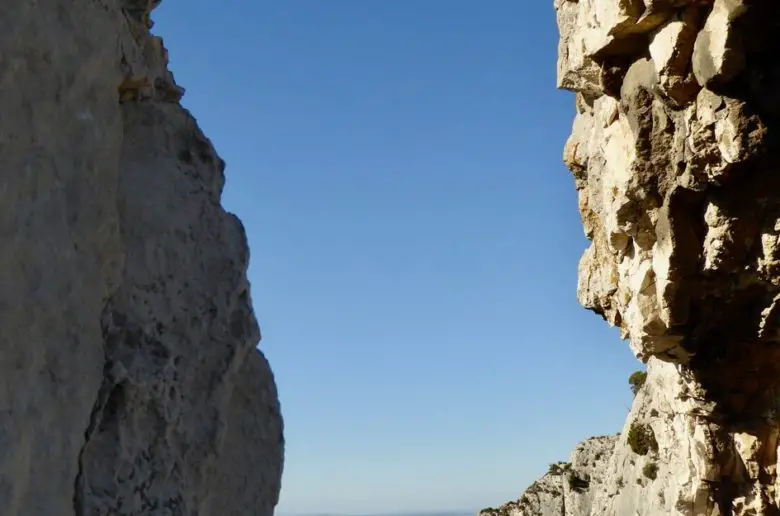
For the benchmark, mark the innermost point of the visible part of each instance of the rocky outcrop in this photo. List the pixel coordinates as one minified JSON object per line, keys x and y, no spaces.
{"x":131,"y":382}
{"x":675,"y":151}
{"x":543,"y":498}
{"x":568,"y":487}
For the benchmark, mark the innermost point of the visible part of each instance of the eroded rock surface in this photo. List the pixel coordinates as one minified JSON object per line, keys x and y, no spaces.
{"x":131,"y":384}
{"x":675,"y":153}
{"x":568,"y":487}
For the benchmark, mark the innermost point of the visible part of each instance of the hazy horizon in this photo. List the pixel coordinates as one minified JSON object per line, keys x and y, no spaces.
{"x":391,"y":513}
{"x":385,"y":513}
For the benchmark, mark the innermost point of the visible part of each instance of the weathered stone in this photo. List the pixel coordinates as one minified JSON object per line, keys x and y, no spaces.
{"x":718,"y":53}
{"x":679,"y":195}
{"x":596,"y":32}
{"x":671,"y":47}
{"x":131,"y":382}
{"x":576,"y":70}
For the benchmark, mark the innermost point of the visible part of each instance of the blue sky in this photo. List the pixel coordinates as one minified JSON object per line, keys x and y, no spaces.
{"x":415,"y":238}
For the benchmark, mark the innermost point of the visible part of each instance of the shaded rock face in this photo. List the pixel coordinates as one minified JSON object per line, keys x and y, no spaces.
{"x":675,"y":154}
{"x":131,"y":383}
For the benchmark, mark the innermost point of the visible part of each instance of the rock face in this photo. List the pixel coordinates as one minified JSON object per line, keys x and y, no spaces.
{"x":568,"y":487}
{"x":130,"y":380}
{"x":675,"y":151}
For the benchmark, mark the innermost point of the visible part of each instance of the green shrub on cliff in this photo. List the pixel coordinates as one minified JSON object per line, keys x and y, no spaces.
{"x":650,"y":470}
{"x":637,"y":380}
{"x":641,"y":439}
{"x":577,"y":483}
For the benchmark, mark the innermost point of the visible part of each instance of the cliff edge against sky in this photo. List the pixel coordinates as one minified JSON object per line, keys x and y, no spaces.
{"x":131,"y":382}
{"x":674,"y":152}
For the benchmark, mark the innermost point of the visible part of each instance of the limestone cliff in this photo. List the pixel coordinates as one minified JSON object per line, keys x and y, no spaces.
{"x":568,"y":487}
{"x":130,"y":380}
{"x":675,"y":152}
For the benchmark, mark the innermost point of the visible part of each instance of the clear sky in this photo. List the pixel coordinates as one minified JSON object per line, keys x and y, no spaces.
{"x":414,"y":236}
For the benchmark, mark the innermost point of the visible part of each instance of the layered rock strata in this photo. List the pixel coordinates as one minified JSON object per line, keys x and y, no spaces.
{"x":675,"y":154}
{"x":130,"y":380}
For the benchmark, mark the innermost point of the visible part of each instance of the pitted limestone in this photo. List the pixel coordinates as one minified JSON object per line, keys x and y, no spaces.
{"x":131,"y":383}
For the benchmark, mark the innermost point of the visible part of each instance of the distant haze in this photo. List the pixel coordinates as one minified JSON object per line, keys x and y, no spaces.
{"x":401,"y":513}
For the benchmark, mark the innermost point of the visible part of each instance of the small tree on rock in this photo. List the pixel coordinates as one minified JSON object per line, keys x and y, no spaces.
{"x":637,"y":381}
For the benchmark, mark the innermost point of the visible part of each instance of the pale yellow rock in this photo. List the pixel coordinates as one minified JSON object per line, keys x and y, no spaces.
{"x":718,"y":234}
{"x":576,"y":70}
{"x":671,"y":47}
{"x":608,"y":21}
{"x":665,"y":48}
{"x":748,"y":447}
{"x":728,"y":134}
{"x":718,"y":53}
{"x":675,"y":159}
{"x":707,"y":105}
